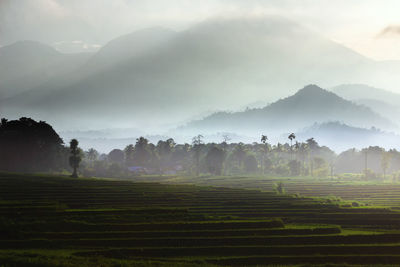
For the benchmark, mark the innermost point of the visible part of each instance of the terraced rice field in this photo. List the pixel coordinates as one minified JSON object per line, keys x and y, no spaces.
{"x":374,"y":193}
{"x":59,"y":221}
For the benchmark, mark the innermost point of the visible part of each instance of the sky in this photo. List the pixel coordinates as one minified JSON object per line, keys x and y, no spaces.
{"x":370,"y":27}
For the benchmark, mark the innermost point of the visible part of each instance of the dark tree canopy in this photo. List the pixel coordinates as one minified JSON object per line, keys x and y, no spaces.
{"x":75,"y":157}
{"x":215,"y":160}
{"x":28,"y":145}
{"x":116,"y":156}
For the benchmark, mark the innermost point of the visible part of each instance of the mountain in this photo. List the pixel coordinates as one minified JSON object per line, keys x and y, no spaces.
{"x":160,"y":77}
{"x":361,"y":91}
{"x":341,"y":137}
{"x":26,"y":64}
{"x":384,"y":102}
{"x":309,"y":105}
{"x":127,"y":47}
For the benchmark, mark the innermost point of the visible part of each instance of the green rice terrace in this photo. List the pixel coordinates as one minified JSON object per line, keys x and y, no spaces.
{"x":60,"y":221}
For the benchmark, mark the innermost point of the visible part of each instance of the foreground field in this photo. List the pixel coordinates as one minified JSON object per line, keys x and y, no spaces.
{"x":373,"y":193}
{"x":59,"y":221}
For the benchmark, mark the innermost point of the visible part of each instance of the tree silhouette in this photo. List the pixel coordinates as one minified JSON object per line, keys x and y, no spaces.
{"x":264,"y":139}
{"x":74,"y":159}
{"x":116,"y":156}
{"x":142,"y":153}
{"x":291,"y":137}
{"x":164,"y":151}
{"x":129,"y":151}
{"x":239,"y":154}
{"x":92,"y":154}
{"x":27,"y":145}
{"x":215,"y":160}
{"x":197,"y":144}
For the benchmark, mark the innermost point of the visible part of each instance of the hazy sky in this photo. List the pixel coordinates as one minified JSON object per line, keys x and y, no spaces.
{"x":371,"y":27}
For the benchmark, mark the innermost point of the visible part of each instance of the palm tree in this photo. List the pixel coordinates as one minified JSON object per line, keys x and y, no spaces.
{"x":264,"y":139}
{"x":74,"y":159}
{"x":291,"y":137}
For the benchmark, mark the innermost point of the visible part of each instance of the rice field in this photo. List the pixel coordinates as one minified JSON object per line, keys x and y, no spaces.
{"x":59,"y":221}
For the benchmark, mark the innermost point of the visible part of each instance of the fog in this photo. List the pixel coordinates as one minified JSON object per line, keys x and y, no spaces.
{"x":111,"y":72}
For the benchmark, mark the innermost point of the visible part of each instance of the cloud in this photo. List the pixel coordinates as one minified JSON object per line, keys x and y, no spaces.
{"x":391,"y":30}
{"x":99,"y":21}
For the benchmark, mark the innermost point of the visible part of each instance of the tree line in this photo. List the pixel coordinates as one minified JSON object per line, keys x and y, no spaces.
{"x":293,"y":158}
{"x":30,"y":146}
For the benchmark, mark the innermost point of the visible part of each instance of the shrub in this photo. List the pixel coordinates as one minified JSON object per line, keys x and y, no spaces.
{"x":279,"y":188}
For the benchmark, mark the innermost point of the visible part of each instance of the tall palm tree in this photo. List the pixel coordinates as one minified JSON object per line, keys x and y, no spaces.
{"x":303,"y":150}
{"x":264,"y":139}
{"x":291,"y":137}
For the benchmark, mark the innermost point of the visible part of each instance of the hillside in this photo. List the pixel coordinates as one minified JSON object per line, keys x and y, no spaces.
{"x":340,"y":137}
{"x":361,"y":92}
{"x":25,"y":65}
{"x":216,"y":64}
{"x":382,"y":101}
{"x":309,"y":105}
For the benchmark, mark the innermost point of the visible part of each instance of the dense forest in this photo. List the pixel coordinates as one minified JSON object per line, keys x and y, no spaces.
{"x":27,"y":145}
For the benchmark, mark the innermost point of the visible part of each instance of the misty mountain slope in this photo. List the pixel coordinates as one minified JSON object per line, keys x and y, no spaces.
{"x":342,"y":137}
{"x":308,"y":106}
{"x":27,"y":64}
{"x":117,"y":51}
{"x":128,"y":46}
{"x":24,"y":57}
{"x":362,"y":91}
{"x":383,"y":108}
{"x":217,"y":64}
{"x":382,"y":101}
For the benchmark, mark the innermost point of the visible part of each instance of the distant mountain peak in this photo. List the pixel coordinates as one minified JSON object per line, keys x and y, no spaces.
{"x":312,"y":89}
{"x":313,"y":94}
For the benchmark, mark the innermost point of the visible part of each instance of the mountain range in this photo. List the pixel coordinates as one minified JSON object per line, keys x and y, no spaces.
{"x":157,"y":77}
{"x":309,"y":105}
